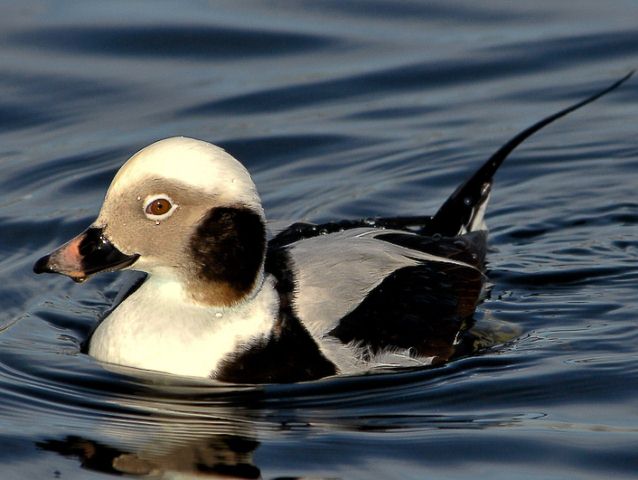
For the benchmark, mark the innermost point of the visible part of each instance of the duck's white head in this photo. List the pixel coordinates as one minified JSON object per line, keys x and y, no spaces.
{"x":181,"y":209}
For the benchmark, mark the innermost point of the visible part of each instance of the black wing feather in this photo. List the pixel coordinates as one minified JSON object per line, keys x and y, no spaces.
{"x":421,"y":308}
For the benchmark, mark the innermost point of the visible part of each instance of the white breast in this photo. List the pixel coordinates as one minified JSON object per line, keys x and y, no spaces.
{"x":157,"y":328}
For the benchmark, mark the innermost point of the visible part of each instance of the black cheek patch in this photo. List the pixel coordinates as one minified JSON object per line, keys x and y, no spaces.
{"x":228,"y":247}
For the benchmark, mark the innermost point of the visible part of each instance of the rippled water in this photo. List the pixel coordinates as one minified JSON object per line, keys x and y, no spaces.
{"x":340,"y":109}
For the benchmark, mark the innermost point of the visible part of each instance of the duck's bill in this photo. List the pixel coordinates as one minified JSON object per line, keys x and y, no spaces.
{"x":88,"y":253}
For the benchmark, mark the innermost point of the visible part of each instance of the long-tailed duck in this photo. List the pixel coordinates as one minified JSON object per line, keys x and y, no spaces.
{"x":221,"y":301}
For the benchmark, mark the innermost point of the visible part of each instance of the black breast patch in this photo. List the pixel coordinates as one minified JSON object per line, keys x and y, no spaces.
{"x":289,"y":353}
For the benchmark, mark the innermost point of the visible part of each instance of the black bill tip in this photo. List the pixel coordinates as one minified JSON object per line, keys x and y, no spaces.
{"x":42,"y":265}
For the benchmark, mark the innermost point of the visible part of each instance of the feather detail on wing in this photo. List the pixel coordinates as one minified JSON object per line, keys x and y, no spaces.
{"x":335,"y":273}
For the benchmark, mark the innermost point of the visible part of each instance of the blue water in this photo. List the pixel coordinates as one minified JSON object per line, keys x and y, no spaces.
{"x":340,"y":110}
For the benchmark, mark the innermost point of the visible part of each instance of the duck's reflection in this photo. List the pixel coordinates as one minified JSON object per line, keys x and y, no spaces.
{"x":163,"y":427}
{"x":220,"y":456}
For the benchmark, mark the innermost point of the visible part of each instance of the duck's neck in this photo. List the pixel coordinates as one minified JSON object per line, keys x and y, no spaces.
{"x":220,"y":293}
{"x":171,"y":290}
{"x":190,"y":289}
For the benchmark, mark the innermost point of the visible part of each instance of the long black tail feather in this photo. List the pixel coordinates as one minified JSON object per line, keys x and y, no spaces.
{"x":459,"y":210}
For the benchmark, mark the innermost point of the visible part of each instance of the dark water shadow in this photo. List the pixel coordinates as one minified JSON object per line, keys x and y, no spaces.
{"x":202,"y":43}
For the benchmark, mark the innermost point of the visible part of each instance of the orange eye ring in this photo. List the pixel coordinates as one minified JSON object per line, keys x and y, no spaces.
{"x":159,"y":207}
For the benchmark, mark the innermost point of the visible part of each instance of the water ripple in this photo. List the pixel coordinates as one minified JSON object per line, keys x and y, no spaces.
{"x":340,"y":109}
{"x":201,"y":43}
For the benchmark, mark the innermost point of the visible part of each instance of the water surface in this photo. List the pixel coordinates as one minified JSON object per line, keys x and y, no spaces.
{"x":340,"y":110}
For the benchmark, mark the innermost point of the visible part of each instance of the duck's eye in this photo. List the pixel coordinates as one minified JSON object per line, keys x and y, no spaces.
{"x":159,"y":207}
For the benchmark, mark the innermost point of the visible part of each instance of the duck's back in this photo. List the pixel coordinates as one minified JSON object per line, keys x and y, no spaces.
{"x":374,"y":291}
